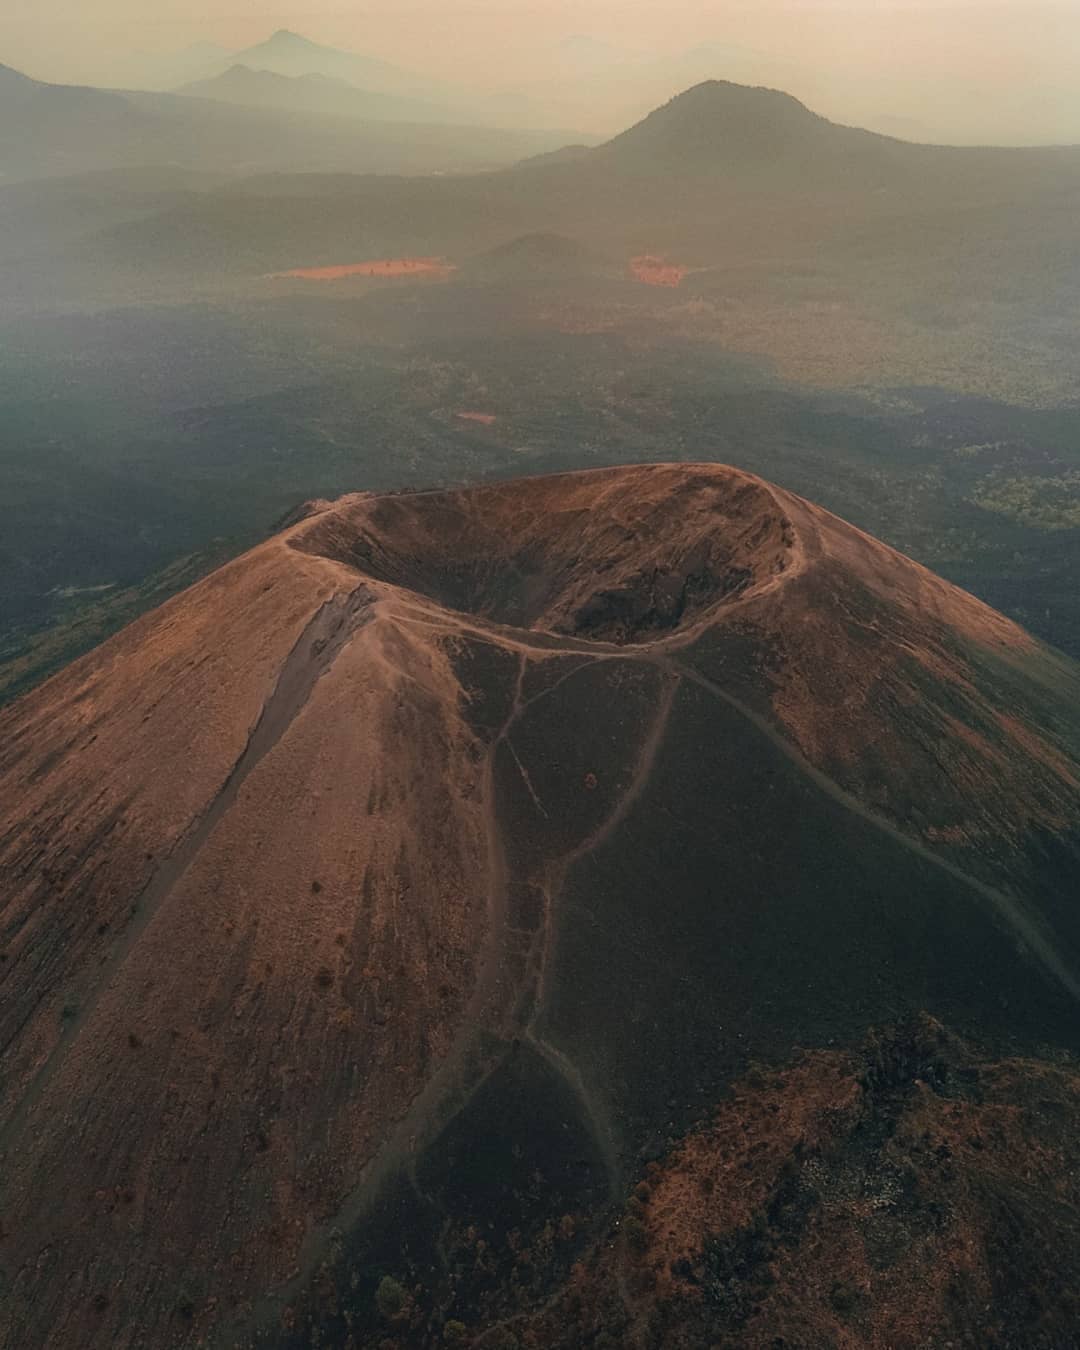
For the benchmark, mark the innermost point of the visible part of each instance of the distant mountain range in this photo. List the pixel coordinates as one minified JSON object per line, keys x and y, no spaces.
{"x":54,"y":129}
{"x":305,"y":124}
{"x":601,"y":86}
{"x":288,"y":53}
{"x":326,"y":79}
{"x":314,"y":93}
{"x":594,"y":80}
{"x":719,"y":177}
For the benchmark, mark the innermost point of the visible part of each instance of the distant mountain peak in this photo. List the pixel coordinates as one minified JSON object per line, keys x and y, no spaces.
{"x":14,"y":84}
{"x":723,"y":96}
{"x":285,"y":43}
{"x":289,"y":53}
{"x":717,"y":122}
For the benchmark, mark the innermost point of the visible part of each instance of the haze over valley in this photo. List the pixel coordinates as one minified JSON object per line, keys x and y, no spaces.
{"x":239,"y":340}
{"x":539,"y":737}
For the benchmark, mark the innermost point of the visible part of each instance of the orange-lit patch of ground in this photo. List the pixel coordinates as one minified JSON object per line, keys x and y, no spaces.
{"x":655,"y":271}
{"x":380,"y":267}
{"x":484,"y":419}
{"x":851,"y":1204}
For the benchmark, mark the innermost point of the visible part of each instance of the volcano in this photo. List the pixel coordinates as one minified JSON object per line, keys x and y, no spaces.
{"x":719,"y":129}
{"x":385,"y":917}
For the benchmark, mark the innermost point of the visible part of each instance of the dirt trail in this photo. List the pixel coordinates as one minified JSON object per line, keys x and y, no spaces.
{"x":555,"y":878}
{"x":597,"y":1127}
{"x":550,"y":884}
{"x":315,"y":651}
{"x":1023,"y":925}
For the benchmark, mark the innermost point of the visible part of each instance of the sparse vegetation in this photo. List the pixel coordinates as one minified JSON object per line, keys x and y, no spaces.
{"x":390,"y":1298}
{"x":1043,"y":503}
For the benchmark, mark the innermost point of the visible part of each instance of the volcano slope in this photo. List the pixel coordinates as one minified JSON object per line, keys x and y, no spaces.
{"x":377,"y":912}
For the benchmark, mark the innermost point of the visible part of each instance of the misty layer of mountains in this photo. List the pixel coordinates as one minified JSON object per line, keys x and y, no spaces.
{"x":290,"y":104}
{"x":723,"y":174}
{"x":251,"y":119}
{"x":602,"y":85}
{"x":825,"y":254}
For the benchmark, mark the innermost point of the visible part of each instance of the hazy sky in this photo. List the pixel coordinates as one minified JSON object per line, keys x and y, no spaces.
{"x":1008,"y":63}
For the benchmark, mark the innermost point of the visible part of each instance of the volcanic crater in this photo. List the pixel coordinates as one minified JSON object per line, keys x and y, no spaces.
{"x":618,"y":556}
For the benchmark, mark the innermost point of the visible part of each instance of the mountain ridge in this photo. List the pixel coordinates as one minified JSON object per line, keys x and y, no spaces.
{"x":64,"y":130}
{"x":291,"y":54}
{"x":315,"y":92}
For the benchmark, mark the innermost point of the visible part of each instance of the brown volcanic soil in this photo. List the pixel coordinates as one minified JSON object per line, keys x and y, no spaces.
{"x":910,"y":1194}
{"x":618,"y":557}
{"x":373,"y":907}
